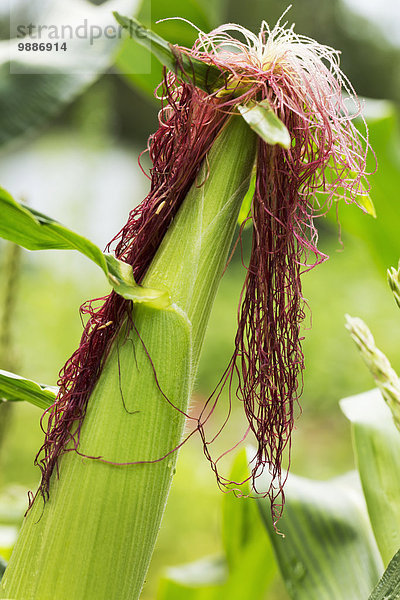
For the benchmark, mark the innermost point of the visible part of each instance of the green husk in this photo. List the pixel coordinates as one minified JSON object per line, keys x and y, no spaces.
{"x":94,"y":538}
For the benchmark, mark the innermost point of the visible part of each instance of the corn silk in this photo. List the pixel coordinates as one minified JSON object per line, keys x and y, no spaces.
{"x":325,"y":162}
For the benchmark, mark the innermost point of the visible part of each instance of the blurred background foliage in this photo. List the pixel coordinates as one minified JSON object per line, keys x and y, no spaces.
{"x":82,"y":170}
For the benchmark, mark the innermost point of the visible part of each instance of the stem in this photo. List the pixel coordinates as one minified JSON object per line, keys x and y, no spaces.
{"x":94,"y":537}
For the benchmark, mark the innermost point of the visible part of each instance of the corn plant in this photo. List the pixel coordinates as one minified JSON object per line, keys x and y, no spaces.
{"x":253,"y":128}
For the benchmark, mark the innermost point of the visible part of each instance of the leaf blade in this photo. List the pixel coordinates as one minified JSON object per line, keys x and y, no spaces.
{"x":207,"y":77}
{"x":376,"y":443}
{"x":388,"y":587}
{"x":262,"y":119}
{"x":365,"y":201}
{"x":35,"y":231}
{"x":244,"y":213}
{"x":249,"y":552}
{"x":248,"y":566}
{"x":14,"y":388}
{"x":328,"y":550}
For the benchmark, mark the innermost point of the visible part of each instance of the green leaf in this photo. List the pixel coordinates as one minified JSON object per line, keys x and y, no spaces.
{"x":136,"y":63}
{"x":239,"y":515}
{"x":35,"y":231}
{"x":328,"y":550}
{"x":14,"y":388}
{"x":51,"y":82}
{"x":252,"y":566}
{"x":365,"y":201}
{"x":388,"y":587}
{"x":377,"y":448}
{"x":206,"y":77}
{"x":249,"y":566}
{"x":246,"y":204}
{"x":263,"y":120}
